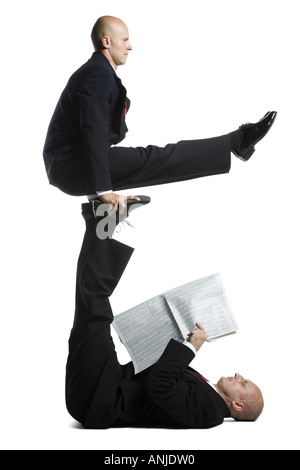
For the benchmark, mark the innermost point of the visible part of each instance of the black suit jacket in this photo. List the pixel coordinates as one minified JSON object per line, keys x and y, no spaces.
{"x":170,"y":394}
{"x":182,"y":393}
{"x":88,"y":119}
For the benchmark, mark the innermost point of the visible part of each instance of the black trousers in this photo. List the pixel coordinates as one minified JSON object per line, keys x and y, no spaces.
{"x":136,"y":167}
{"x":95,"y":380}
{"x":152,"y":165}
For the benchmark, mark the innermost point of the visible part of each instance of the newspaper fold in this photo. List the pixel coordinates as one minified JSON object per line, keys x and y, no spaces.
{"x":146,"y":329}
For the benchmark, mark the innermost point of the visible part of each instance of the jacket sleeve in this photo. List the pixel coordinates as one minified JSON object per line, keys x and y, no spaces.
{"x":94,"y":104}
{"x":190,"y":404}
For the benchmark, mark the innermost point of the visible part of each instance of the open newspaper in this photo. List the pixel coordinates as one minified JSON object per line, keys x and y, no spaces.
{"x":146,"y":329}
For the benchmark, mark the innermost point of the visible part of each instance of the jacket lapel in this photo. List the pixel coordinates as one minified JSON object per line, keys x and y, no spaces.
{"x":197,"y":377}
{"x":119,"y":111}
{"x":120,"y":106}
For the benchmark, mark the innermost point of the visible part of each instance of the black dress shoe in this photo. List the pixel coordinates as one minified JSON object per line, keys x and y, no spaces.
{"x":130,"y":205}
{"x":253,"y":133}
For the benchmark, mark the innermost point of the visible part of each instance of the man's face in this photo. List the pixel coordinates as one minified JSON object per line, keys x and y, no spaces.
{"x":119,"y":44}
{"x":237,"y":387}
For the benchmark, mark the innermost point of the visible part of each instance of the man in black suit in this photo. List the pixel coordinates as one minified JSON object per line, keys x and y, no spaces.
{"x":80,"y":159}
{"x":102,"y":393}
{"x":80,"y":153}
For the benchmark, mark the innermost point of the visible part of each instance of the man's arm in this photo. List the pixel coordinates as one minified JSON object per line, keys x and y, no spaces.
{"x":94,"y":127}
{"x":95,"y":95}
{"x":191,"y":404}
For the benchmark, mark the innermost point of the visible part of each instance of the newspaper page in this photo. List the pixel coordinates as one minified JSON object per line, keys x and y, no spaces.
{"x":146,"y":329}
{"x":203,"y":301}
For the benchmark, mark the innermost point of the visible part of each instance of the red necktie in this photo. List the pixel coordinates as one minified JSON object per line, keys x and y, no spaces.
{"x":202,"y":377}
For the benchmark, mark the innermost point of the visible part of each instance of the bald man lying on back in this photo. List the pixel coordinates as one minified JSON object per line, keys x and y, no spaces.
{"x":101,"y":392}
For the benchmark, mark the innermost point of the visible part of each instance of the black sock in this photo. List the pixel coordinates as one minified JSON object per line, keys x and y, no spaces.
{"x":236,"y":138}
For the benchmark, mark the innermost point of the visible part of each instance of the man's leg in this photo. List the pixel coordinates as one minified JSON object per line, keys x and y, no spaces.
{"x":137,"y":167}
{"x":93,"y":372}
{"x":152,"y":165}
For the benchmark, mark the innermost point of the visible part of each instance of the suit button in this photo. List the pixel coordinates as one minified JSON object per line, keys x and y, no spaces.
{"x":93,"y":181}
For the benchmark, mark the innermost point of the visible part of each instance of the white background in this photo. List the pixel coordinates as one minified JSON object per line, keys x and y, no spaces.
{"x":198,"y":69}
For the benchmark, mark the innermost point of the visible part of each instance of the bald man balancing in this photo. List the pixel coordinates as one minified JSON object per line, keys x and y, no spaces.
{"x":89,"y":120}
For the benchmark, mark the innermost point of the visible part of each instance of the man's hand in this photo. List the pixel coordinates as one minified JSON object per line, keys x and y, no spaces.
{"x":197,"y":337}
{"x":116,"y":201}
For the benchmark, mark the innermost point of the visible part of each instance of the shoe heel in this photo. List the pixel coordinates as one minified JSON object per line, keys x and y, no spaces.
{"x":247,"y":155}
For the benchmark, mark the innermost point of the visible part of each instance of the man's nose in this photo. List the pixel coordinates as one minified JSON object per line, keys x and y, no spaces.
{"x":238,"y":377}
{"x":129,"y":47}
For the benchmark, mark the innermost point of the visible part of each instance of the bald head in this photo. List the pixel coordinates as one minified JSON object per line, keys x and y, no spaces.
{"x":253,"y":405}
{"x":243,"y":398}
{"x":110,"y":37}
{"x":105,"y":26}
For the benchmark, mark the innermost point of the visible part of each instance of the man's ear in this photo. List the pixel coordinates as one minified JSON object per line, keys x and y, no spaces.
{"x":237,"y":405}
{"x":106,"y":42}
